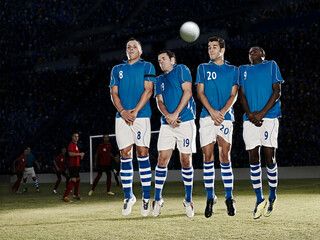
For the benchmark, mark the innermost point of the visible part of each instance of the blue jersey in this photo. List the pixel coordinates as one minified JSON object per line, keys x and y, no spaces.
{"x":257,"y":81}
{"x":169,"y":86}
{"x":218,"y":82}
{"x":130,"y":81}
{"x":31,"y":159}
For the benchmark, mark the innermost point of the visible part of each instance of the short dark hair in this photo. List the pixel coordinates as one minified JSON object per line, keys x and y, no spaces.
{"x":169,"y":53}
{"x":73,"y":133}
{"x":220,"y":40}
{"x":133,"y":39}
{"x":260,"y":48}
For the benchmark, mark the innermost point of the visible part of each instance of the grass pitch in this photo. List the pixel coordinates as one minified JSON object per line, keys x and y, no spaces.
{"x":44,"y":216}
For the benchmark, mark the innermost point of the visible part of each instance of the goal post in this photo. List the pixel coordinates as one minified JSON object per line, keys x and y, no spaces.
{"x":91,"y":137}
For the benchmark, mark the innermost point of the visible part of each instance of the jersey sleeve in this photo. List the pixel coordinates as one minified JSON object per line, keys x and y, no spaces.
{"x":184,"y":74}
{"x":98,"y":150}
{"x":200,"y":74}
{"x":114,"y":77}
{"x":276,"y":75}
{"x":70,"y":148}
{"x":157,"y":86}
{"x":149,"y":72}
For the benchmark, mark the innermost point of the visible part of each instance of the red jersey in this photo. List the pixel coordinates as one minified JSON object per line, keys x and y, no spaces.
{"x":74,"y":161}
{"x":104,"y":151}
{"x":21,"y":163}
{"x":61,"y":162}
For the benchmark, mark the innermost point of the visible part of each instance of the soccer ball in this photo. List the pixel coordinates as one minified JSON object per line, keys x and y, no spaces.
{"x":189,"y":31}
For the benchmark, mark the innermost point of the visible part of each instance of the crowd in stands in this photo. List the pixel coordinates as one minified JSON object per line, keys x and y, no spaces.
{"x":42,"y":109}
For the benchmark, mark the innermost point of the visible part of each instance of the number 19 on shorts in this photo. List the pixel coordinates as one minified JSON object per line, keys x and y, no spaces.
{"x":186,"y":142}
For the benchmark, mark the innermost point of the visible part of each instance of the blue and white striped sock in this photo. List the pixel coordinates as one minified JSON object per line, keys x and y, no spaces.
{"x":208,"y":178}
{"x":255,"y":174}
{"x":145,"y":175}
{"x":272,"y":173}
{"x":187,"y":176}
{"x":227,"y":178}
{"x":36,"y":183}
{"x":160,"y":178}
{"x":126,"y":175}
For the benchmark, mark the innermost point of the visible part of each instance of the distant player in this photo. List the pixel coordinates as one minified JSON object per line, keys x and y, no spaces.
{"x":259,"y":94}
{"x":18,"y":167}
{"x":131,"y":87}
{"x":103,"y":162}
{"x":173,"y":92}
{"x":29,"y":170}
{"x":60,"y":165}
{"x":217,"y":90}
{"x":75,"y":156}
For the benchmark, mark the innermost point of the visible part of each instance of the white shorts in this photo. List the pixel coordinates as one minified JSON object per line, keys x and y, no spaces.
{"x":29,"y":172}
{"x":209,"y":131}
{"x":139,"y":133}
{"x":184,"y":136}
{"x":266,"y":135}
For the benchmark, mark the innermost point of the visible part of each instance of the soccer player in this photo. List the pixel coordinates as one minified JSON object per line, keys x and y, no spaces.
{"x":260,"y":89}
{"x":104,"y":164}
{"x":75,"y":156}
{"x":18,"y":167}
{"x":29,"y":170}
{"x":131,"y":87}
{"x":173,"y":93}
{"x":60,"y":165}
{"x":217,"y":88}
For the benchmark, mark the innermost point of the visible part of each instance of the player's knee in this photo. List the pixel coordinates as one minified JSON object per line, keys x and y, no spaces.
{"x":224,"y":158}
{"x":208,"y":157}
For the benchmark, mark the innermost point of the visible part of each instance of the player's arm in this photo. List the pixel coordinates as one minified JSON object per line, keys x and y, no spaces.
{"x":147,"y":93}
{"x":217,"y":116}
{"x":14,"y":165}
{"x":245,"y":106}
{"x":55,"y":164}
{"x":258,"y":115}
{"x":73,"y":154}
{"x":114,"y":93}
{"x":38,"y":166}
{"x":162,"y":107}
{"x":232,"y":99}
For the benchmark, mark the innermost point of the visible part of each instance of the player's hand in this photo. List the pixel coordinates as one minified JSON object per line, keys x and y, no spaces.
{"x":171,"y":118}
{"x":132,"y":115}
{"x":176,"y":123}
{"x":58,"y":169}
{"x":257,"y":118}
{"x":125,"y":115}
{"x":217,"y":117}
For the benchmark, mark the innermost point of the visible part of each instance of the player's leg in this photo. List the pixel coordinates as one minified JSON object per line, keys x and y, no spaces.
{"x":66,"y":175}
{"x":15,"y":187}
{"x":272,"y":172}
{"x":208,"y":135}
{"x":25,"y":178}
{"x":226,"y":173}
{"x":76,"y":187}
{"x":141,"y":132}
{"x":34,"y":178}
{"x":57,"y":182}
{"x":186,"y":138}
{"x":251,"y":137}
{"x":269,"y":139}
{"x":166,"y":144}
{"x":108,"y":181}
{"x":96,"y":180}
{"x":73,"y":172}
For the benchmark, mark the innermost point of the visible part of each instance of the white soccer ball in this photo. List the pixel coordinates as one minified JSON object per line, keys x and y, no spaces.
{"x":189,"y":31}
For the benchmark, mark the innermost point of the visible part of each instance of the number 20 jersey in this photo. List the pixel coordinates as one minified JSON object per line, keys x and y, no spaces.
{"x":218,"y":81}
{"x":130,"y":81}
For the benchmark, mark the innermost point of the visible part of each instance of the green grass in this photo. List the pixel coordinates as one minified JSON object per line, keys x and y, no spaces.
{"x":44,"y":216}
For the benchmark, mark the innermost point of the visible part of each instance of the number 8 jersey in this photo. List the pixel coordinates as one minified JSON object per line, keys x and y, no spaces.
{"x":218,"y":82}
{"x":130,"y":81}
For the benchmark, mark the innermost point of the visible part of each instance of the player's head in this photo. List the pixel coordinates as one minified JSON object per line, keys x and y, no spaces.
{"x":166,"y":60}
{"x":105,"y":138}
{"x":75,"y":137}
{"x":256,"y":55}
{"x":63,"y":150}
{"x":133,"y":49}
{"x":216,"y":48}
{"x":25,"y":152}
{"x":28,"y":149}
